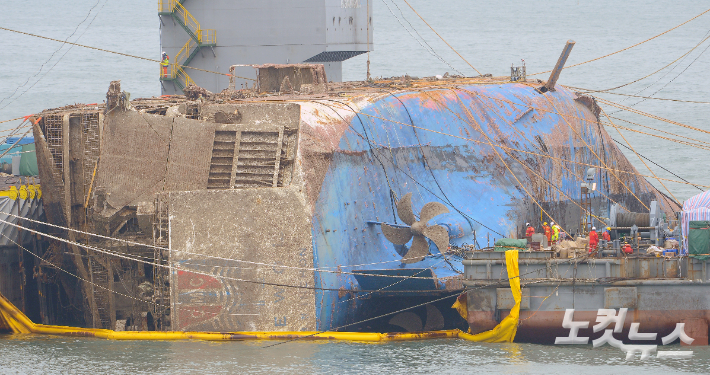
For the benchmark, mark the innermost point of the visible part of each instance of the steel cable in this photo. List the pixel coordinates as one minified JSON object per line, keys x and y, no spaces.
{"x":50,"y":57}
{"x":526,"y":151}
{"x":147,"y":259}
{"x":690,"y":144}
{"x":660,"y":166}
{"x":627,"y":48}
{"x":661,"y":131}
{"x":645,"y":114}
{"x":593,"y":152}
{"x":119,"y":53}
{"x":642,"y":161}
{"x":442,"y":38}
{"x":429,"y":49}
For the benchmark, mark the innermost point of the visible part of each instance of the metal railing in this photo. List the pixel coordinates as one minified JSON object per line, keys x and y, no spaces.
{"x":197,"y":38}
{"x":166,"y":6}
{"x":207,"y":36}
{"x":176,"y":72}
{"x":187,"y":18}
{"x":185,"y":51}
{"x":182,"y":76}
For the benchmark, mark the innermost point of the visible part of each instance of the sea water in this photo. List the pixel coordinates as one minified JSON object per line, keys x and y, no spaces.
{"x":36,"y":74}
{"x":51,"y":355}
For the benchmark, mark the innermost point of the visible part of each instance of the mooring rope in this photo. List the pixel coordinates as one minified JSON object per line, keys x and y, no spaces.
{"x":627,"y":48}
{"x":118,"y":53}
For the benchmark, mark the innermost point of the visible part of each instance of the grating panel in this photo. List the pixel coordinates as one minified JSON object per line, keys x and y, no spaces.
{"x":54,"y":136}
{"x":91,"y":138}
{"x":251,"y":159}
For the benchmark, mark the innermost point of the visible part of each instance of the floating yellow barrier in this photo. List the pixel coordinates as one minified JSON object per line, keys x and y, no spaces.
{"x":506,"y":330}
{"x":14,"y":320}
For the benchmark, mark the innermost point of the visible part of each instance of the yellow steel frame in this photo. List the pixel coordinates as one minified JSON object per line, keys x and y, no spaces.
{"x":206,"y":36}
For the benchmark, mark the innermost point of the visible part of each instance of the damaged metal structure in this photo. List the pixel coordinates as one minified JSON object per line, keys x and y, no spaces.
{"x":265,"y":209}
{"x":658,"y":293}
{"x":22,"y":277}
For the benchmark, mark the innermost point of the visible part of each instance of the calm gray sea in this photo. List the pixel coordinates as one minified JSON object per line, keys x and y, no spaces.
{"x":50,"y":355}
{"x":36,"y":74}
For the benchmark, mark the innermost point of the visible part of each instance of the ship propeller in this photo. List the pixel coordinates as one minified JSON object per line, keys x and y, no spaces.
{"x":418,"y":229}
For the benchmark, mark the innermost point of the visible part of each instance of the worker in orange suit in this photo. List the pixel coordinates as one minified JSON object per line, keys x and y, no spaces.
{"x":548,"y":232}
{"x":593,"y":239}
{"x":607,"y":234}
{"x":529,"y":230}
{"x":627,"y":249}
{"x":164,"y":63}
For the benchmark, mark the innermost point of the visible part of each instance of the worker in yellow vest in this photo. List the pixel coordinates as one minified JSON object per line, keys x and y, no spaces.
{"x":548,"y":233}
{"x":555,"y":232}
{"x":164,"y":63}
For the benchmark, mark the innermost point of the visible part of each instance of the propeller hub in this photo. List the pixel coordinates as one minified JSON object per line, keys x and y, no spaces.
{"x":418,"y":228}
{"x":418,"y":231}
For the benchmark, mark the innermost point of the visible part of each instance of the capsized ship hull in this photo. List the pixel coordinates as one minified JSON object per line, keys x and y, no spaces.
{"x":437,"y":145}
{"x":270,"y":209}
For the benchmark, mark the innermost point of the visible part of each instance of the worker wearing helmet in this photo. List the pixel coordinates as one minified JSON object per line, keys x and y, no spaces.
{"x":555,"y":232}
{"x":607,"y":234}
{"x":593,"y":239}
{"x":529,"y":230}
{"x":164,"y":63}
{"x":627,"y":249}
{"x":548,"y":232}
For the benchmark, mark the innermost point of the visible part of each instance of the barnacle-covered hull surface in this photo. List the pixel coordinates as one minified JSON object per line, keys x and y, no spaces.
{"x":265,"y":212}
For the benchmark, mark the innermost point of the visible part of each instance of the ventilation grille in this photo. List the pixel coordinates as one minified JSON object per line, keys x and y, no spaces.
{"x":251,"y":159}
{"x":222,"y":162}
{"x":258,"y":162}
{"x":91,"y":135}
{"x":53,"y":135}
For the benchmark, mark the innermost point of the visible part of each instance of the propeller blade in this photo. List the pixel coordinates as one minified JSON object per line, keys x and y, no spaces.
{"x":431,"y":210}
{"x":439,"y":235}
{"x":408,"y":320}
{"x":434,"y":319}
{"x":398,"y":236}
{"x":404,"y":209}
{"x":418,"y":250}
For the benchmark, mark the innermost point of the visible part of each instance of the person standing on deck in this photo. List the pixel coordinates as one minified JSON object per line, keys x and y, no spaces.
{"x":548,"y":233}
{"x":555,"y":232}
{"x":529,"y":230}
{"x":164,"y":63}
{"x":593,"y":239}
{"x":607,"y":234}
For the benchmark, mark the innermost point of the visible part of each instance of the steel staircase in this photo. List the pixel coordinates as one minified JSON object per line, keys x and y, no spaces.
{"x":199,"y":38}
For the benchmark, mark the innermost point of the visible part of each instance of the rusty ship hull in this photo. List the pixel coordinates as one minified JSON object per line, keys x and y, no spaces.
{"x":263,"y":210}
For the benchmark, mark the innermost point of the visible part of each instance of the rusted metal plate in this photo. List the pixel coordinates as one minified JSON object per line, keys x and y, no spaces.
{"x":269,"y":288}
{"x":616,"y":298}
{"x":189,"y":155}
{"x":505,"y":301}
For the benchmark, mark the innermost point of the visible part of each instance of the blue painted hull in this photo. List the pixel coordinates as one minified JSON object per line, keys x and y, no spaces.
{"x":493,"y":154}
